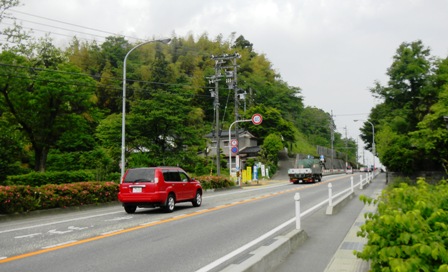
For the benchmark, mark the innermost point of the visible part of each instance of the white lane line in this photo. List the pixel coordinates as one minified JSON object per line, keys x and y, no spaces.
{"x":243,"y":191}
{"x":110,"y":232}
{"x":2,"y":258}
{"x":119,"y":218}
{"x":245,"y":247}
{"x":28,"y":236}
{"x":59,"y":222}
{"x":256,"y":241}
{"x":61,"y":244}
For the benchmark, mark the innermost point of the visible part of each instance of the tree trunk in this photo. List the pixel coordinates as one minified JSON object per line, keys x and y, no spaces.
{"x":40,"y":158}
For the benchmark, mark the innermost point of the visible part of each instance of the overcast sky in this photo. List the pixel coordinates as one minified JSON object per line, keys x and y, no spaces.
{"x":333,"y":50}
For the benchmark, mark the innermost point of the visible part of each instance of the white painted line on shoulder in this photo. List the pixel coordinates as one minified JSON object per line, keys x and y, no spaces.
{"x":110,"y":232}
{"x":61,"y":244}
{"x":28,"y":236}
{"x":59,"y":222}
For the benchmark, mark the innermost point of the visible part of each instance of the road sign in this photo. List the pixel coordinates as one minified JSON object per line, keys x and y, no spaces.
{"x":234,"y":142}
{"x":234,"y":149}
{"x":257,"y":119}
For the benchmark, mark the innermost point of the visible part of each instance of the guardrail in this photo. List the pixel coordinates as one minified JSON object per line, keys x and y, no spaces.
{"x":333,"y":200}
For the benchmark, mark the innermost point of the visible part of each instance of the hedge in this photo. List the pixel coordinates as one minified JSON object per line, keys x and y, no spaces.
{"x":50,"y":177}
{"x":25,"y":198}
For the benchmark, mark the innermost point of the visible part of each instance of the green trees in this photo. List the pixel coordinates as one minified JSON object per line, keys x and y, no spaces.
{"x":410,"y":133}
{"x":63,"y":107}
{"x":45,"y":96}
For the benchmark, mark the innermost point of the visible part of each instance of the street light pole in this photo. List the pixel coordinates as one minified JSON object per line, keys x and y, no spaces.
{"x":373,"y":140}
{"x":123,"y":120}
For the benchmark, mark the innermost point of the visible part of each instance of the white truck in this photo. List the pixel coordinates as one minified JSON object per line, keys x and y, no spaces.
{"x":306,"y":171}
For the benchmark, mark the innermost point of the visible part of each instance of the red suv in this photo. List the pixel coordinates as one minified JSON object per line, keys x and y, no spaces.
{"x":158,"y":187}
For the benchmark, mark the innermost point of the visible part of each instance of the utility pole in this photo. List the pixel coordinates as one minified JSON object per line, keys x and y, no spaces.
{"x":346,"y":147}
{"x":332,"y":140}
{"x":235,"y":89}
{"x":219,"y":60}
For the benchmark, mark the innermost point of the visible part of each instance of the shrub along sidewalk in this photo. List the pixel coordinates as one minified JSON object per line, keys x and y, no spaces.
{"x":25,"y":198}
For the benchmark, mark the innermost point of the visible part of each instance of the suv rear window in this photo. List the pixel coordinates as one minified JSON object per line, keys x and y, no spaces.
{"x":140,"y":175}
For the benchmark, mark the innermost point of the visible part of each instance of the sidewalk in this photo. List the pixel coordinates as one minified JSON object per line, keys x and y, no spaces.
{"x":332,"y":238}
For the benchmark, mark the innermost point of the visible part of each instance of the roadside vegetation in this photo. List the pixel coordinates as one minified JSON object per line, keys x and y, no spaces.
{"x":409,"y":231}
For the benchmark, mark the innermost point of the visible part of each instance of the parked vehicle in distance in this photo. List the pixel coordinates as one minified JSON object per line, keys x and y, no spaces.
{"x":349,"y":170}
{"x":161,"y":186}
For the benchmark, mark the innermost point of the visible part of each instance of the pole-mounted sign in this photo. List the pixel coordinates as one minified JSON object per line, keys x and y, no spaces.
{"x":233,"y":144}
{"x":257,"y":119}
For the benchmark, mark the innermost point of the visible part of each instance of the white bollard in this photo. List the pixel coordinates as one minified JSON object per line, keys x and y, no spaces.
{"x":330,"y":194}
{"x":351,"y":184}
{"x":360,"y":183}
{"x":297,"y":200}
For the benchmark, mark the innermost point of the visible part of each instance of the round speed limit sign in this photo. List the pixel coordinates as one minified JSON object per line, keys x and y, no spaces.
{"x":257,"y":119}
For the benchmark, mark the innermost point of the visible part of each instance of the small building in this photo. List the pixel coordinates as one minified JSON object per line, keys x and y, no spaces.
{"x":247,"y":145}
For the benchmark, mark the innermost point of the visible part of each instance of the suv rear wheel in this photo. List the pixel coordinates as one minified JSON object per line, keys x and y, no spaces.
{"x":130,"y":208}
{"x":170,"y":202}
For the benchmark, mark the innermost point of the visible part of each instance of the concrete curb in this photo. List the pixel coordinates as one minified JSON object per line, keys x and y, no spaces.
{"x":266,"y":258}
{"x":339,"y":204}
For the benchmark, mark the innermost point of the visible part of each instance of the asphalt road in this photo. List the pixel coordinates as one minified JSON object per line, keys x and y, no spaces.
{"x":107,"y":239}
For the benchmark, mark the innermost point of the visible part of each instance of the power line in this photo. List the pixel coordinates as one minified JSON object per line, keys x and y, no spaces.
{"x":70,"y":24}
{"x":96,"y":78}
{"x":60,"y":28}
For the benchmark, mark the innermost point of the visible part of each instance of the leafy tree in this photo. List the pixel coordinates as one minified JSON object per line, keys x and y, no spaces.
{"x":44,"y":102}
{"x":269,"y":150}
{"x":402,"y":121}
{"x":14,"y":34}
{"x":11,"y":149}
{"x":431,"y":135}
{"x":167,"y":128}
{"x":315,"y":123}
{"x":272,"y":123}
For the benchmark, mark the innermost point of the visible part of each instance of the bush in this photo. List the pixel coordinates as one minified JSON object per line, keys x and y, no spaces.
{"x":409,"y":232}
{"x":39,"y":178}
{"x":215,"y":182}
{"x":21,"y":198}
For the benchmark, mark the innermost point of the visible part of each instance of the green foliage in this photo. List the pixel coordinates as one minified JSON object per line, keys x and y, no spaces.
{"x":215,"y":182}
{"x":409,"y":122}
{"x":273,"y":122}
{"x":55,"y":101}
{"x":409,"y":232}
{"x":20,"y":199}
{"x":39,"y":178}
{"x":269,"y":150}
